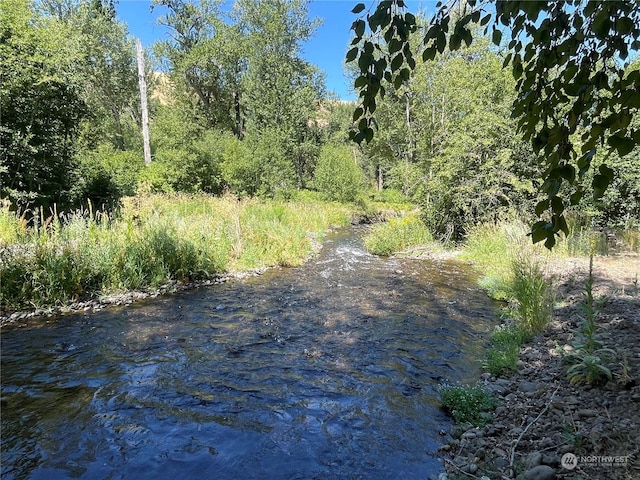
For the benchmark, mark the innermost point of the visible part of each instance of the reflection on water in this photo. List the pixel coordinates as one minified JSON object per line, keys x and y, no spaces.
{"x":325,"y":371}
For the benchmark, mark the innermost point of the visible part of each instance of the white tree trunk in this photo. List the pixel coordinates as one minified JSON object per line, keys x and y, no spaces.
{"x":143,"y":103}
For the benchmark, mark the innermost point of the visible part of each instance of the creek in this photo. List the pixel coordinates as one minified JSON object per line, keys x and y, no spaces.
{"x":325,"y":371}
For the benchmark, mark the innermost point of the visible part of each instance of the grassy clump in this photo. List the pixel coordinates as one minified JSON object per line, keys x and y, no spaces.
{"x":153,"y":241}
{"x":396,"y":235}
{"x":513,"y":272}
{"x":503,"y":353}
{"x":530,"y":292}
{"x":492,"y":248}
{"x":468,"y":404}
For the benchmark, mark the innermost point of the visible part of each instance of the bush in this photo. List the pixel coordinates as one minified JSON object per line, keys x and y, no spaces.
{"x":467,"y":404}
{"x":106,"y":175}
{"x":532,"y":293}
{"x":338,"y":175}
{"x":240,"y":170}
{"x":396,"y":235}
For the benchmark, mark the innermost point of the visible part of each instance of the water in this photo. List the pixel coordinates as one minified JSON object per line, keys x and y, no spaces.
{"x":321,"y":372}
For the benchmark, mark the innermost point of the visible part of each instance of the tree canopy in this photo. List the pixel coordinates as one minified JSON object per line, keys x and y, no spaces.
{"x":576,"y":96}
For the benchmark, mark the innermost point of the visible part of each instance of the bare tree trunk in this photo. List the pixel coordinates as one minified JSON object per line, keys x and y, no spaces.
{"x":239,"y":124}
{"x":143,"y":103}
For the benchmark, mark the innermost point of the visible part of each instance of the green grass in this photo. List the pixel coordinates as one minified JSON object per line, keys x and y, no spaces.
{"x":492,"y":247}
{"x":504,"y":351}
{"x":397,"y":235}
{"x":153,"y":241}
{"x":530,"y":291}
{"x":514,"y":272}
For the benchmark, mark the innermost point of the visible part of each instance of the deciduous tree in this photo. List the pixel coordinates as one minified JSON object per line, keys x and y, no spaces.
{"x":575,"y":96}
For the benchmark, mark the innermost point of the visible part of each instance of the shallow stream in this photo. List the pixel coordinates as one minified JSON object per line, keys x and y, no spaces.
{"x":325,"y":371}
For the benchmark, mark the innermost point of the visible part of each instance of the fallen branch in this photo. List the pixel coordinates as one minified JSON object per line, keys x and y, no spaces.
{"x":459,"y":469}
{"x":513,"y":449}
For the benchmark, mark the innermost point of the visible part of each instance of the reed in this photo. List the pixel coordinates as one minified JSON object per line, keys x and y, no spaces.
{"x":153,"y":241}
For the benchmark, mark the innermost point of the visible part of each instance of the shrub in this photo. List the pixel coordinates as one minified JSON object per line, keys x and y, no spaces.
{"x":338,"y":175}
{"x":396,"y":235}
{"x":467,"y":404}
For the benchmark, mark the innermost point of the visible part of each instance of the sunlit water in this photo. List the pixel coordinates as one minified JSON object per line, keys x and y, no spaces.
{"x":325,"y":371}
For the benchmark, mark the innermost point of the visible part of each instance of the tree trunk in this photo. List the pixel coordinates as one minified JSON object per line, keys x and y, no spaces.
{"x":143,"y":103}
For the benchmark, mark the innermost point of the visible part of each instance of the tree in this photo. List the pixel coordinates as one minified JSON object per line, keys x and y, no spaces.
{"x":282,"y":90}
{"x":338,"y":175}
{"x":241,"y":70}
{"x":41,"y":106}
{"x":200,"y":64}
{"x":575,"y":96}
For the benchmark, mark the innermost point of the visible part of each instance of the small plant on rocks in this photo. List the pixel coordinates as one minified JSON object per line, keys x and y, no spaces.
{"x":587,"y":365}
{"x":502,"y":355}
{"x":467,"y":403}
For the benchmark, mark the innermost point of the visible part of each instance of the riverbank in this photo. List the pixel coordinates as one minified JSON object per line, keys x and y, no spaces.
{"x":158,"y":244}
{"x":544,"y":427}
{"x":152,"y":245}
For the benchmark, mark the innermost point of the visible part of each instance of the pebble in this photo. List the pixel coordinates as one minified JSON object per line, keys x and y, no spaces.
{"x":552,"y":460}
{"x":540,"y":472}
{"x":533,"y":459}
{"x":587,"y":412}
{"x":470,"y":468}
{"x":500,"y":452}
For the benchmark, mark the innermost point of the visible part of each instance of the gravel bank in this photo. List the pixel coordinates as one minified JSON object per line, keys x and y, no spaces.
{"x":545,"y":428}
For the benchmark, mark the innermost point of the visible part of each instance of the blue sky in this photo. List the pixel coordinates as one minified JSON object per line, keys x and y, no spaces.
{"x":325,"y":50}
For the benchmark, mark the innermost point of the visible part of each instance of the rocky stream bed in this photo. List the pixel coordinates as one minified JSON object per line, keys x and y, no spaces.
{"x":543,"y":427}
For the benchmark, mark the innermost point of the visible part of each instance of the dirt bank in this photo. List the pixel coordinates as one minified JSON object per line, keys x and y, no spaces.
{"x":545,"y":427}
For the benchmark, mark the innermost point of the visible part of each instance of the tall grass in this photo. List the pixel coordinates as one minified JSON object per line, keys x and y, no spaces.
{"x":493,"y":248}
{"x":514,"y":271}
{"x":153,"y":241}
{"x":396,"y":235}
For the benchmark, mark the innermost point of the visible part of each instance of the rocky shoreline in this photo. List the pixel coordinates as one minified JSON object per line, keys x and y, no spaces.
{"x":545,"y":428}
{"x":126,"y":298}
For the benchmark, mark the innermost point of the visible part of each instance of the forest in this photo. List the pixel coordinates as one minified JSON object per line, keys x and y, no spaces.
{"x":236,"y":111}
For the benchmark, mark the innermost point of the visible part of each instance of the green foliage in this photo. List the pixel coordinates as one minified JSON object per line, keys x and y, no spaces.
{"x":156,"y":240}
{"x":338,"y":175}
{"x":503,"y":353}
{"x":240,"y":168}
{"x":586,"y":365}
{"x":491,"y":247}
{"x":396,"y":235}
{"x":104,"y":175}
{"x":12,"y":226}
{"x":589,"y":369}
{"x":41,"y":105}
{"x":570,"y":81}
{"x":531,"y":291}
{"x":393,"y":197}
{"x":242,"y":71}
{"x":467,"y":404}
